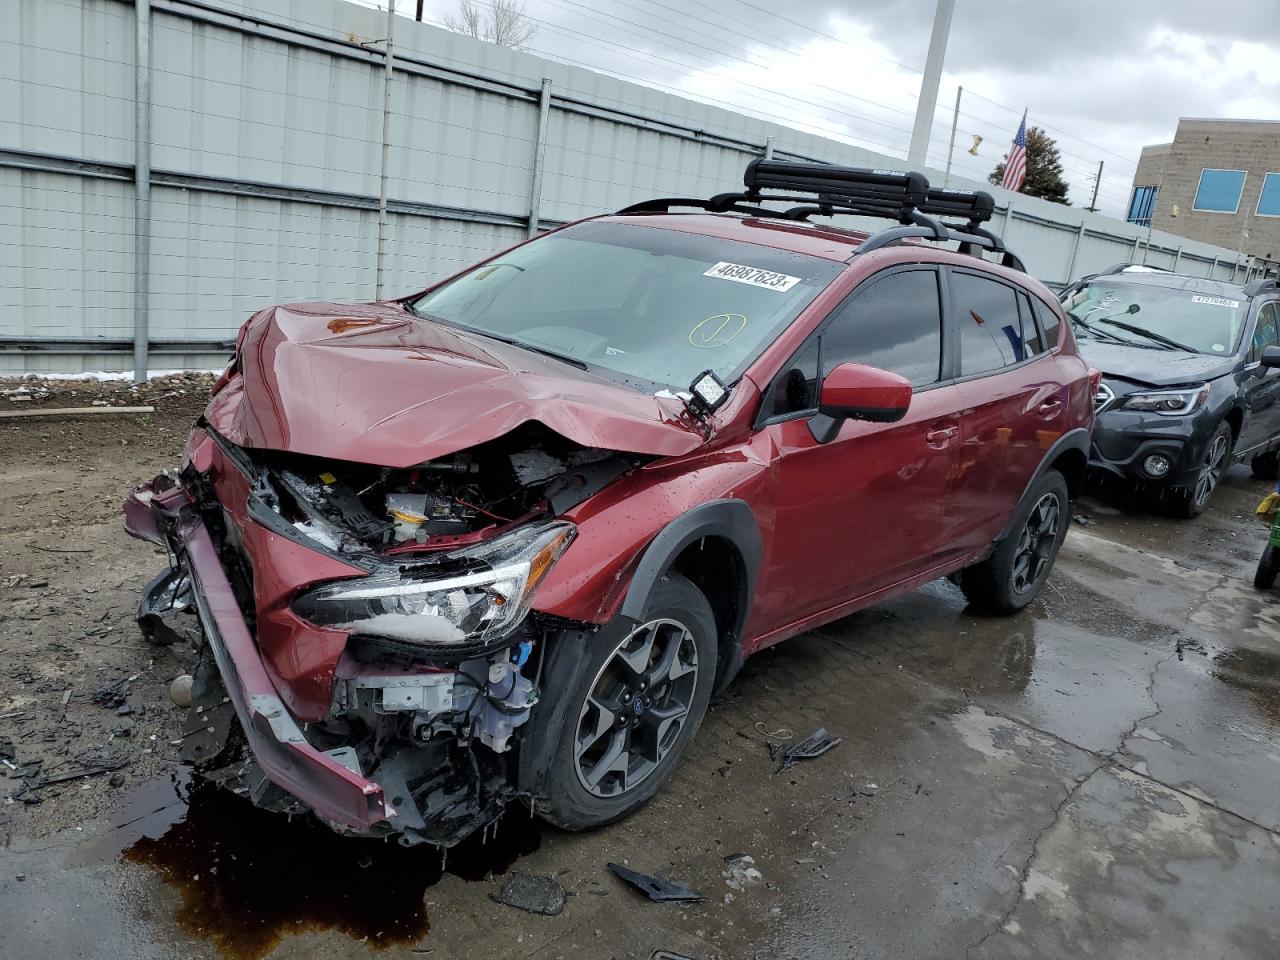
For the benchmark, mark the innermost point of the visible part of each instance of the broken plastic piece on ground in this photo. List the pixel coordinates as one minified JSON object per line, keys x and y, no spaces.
{"x":534,"y":894}
{"x":1083,"y":519}
{"x":668,"y":955}
{"x":657,"y":889}
{"x":814,"y":745}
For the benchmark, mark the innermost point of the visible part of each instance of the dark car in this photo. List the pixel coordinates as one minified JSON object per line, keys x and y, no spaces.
{"x":501,"y":540}
{"x":1184,"y":392}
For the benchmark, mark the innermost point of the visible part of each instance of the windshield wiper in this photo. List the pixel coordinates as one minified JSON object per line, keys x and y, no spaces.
{"x":532,"y":348}
{"x":1077,"y":321}
{"x":1154,"y":337}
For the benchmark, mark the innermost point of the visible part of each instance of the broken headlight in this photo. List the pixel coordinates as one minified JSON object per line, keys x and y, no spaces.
{"x":474,"y":597}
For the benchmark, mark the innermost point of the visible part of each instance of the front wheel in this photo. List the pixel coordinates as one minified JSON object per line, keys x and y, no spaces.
{"x":1264,"y":578}
{"x":1017,"y":569}
{"x":1217,"y":458}
{"x":631,"y":709}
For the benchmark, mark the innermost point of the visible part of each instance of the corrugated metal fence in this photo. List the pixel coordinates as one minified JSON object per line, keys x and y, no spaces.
{"x":265,"y":152}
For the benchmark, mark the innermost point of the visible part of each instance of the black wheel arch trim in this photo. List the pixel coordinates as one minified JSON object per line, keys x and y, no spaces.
{"x":730,"y":519}
{"x":1077,"y":439}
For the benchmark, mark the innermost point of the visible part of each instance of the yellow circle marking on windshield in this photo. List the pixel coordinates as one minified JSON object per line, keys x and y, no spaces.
{"x":718,"y":330}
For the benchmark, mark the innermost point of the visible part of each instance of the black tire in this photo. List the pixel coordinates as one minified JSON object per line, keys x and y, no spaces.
{"x":565,"y":798}
{"x":1190,"y":503}
{"x":1266,"y":466}
{"x":1001,"y":584}
{"x":1264,"y":578}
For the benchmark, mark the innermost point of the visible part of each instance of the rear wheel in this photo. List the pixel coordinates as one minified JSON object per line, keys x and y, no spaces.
{"x":1016,"y":571}
{"x":1264,"y":578}
{"x":632,"y":708}
{"x":1186,"y":504}
{"x":1266,"y":466}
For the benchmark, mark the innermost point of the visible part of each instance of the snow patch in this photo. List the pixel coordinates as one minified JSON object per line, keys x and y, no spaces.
{"x":317,"y":533}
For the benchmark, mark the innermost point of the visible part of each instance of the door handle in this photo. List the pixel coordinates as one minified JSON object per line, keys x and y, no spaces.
{"x":1050,"y":407}
{"x":941,"y":436}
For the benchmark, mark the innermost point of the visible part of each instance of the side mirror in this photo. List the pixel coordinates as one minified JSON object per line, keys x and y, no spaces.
{"x":853,"y":391}
{"x":1271,"y":357}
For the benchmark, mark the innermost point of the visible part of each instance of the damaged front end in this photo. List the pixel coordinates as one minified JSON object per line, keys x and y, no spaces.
{"x":368,"y":651}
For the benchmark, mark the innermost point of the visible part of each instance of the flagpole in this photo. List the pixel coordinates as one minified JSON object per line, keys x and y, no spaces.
{"x":951,"y":147}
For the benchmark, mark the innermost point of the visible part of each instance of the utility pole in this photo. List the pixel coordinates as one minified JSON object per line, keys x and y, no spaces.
{"x":1097,"y":182}
{"x":951,"y":146}
{"x":419,"y":16}
{"x":386,"y":149}
{"x":919,"y":148}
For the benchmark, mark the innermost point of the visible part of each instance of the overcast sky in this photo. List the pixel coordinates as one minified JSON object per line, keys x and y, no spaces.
{"x":1104,"y":77}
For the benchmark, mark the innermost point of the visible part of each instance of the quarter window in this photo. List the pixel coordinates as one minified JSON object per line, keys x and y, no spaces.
{"x":1266,"y":333}
{"x":894,"y":324}
{"x":795,"y":390}
{"x":1050,"y":326}
{"x":989,"y":324}
{"x":1219,"y":191}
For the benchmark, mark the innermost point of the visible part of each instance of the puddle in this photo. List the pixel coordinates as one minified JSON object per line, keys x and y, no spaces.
{"x":247,"y":878}
{"x":1255,"y":672}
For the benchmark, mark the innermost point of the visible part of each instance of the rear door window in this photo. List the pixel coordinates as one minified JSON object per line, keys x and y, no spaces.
{"x":988,"y":322}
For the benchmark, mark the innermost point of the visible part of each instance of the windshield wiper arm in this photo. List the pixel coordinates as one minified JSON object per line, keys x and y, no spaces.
{"x":1079,"y":322}
{"x":532,"y":348}
{"x":1155,"y":337}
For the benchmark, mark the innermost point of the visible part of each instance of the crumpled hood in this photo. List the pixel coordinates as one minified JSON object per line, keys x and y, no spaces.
{"x":373,"y":384}
{"x":1158,"y":368}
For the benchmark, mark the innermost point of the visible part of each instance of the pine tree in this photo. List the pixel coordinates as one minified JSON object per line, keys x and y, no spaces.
{"x":1044,"y":169}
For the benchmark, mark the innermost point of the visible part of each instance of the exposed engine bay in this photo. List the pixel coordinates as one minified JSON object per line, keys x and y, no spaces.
{"x":440,"y":504}
{"x":441,"y":663}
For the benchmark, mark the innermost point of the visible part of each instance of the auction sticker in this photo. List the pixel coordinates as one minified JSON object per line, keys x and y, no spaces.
{"x":752,"y":275}
{"x":1217,"y":301}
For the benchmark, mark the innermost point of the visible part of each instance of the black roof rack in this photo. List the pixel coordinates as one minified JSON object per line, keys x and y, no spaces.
{"x":1255,"y":287}
{"x":904,"y":196}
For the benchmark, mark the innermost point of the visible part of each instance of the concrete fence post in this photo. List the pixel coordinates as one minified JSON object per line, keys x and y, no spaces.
{"x":142,"y":190}
{"x":1177,"y":256}
{"x":1075,"y":251}
{"x":539,"y":157}
{"x":768,"y":148}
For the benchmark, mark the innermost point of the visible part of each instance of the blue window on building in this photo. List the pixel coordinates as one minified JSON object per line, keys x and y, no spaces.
{"x":1269,"y":200}
{"x":1143,"y":206}
{"x":1219,"y":191}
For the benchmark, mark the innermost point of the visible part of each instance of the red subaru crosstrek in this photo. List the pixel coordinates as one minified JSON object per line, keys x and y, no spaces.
{"x":502,"y":540}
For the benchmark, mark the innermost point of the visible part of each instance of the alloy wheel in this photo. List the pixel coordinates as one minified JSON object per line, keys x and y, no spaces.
{"x":636,"y":707}
{"x":1210,"y":470}
{"x":1036,"y":543}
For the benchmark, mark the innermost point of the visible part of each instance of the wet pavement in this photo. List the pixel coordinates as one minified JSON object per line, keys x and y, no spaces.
{"x":1095,"y":777}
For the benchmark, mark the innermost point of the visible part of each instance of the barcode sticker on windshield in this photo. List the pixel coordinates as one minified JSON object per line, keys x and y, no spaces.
{"x":752,"y":275}
{"x":1217,"y":301}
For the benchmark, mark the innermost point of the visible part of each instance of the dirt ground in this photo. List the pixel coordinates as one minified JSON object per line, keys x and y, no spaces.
{"x":66,"y":623}
{"x":1094,"y":777}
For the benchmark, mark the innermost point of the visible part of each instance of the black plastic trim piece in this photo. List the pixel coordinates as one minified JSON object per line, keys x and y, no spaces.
{"x":730,"y":519}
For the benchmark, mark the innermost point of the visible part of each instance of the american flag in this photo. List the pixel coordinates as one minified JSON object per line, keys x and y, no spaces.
{"x":1015,"y":165}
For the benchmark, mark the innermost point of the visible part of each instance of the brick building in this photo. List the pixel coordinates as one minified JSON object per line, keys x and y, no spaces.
{"x":1217,"y":182}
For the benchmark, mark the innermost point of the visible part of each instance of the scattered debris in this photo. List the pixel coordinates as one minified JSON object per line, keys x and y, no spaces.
{"x":66,"y":698}
{"x":782,"y":733}
{"x":657,"y":889}
{"x":114,"y":694}
{"x":1084,"y":519}
{"x":741,"y":871}
{"x":814,"y":745}
{"x":533,"y":894}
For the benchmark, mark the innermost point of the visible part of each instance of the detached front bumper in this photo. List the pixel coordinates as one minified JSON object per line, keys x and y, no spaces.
{"x":335,"y":792}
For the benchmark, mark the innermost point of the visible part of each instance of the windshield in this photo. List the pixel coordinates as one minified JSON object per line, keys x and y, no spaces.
{"x":1199,"y":322}
{"x":650,"y":306}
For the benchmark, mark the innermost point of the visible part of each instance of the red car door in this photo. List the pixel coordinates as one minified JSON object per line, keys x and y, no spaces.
{"x":862,"y":512}
{"x":1014,"y":405}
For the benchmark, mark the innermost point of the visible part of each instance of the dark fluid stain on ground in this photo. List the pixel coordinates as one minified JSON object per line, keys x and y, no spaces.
{"x":248,"y":878}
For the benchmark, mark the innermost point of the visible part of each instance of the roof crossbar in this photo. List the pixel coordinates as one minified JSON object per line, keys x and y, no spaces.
{"x":830,"y":190}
